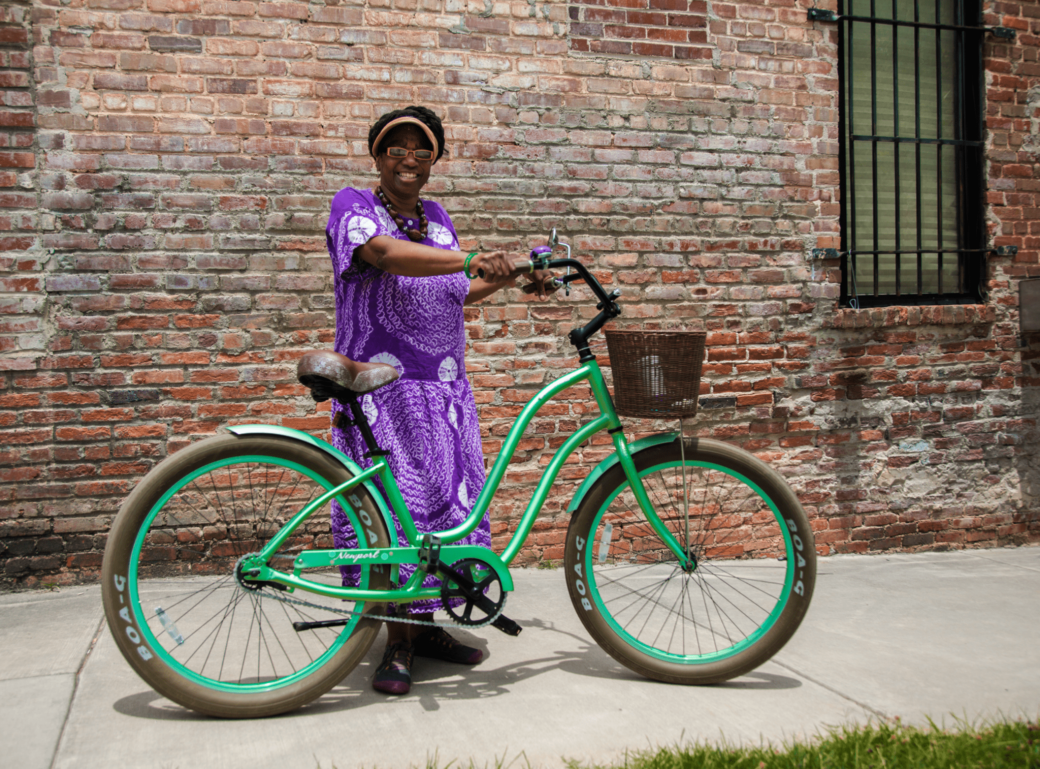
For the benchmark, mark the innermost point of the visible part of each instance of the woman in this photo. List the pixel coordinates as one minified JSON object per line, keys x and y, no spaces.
{"x":400,"y":289}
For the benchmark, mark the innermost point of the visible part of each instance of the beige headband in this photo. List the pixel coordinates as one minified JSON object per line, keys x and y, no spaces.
{"x":401,"y":121}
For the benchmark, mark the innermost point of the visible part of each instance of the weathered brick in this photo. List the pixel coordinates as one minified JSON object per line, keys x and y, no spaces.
{"x":175,"y":43}
{"x":188,"y":151}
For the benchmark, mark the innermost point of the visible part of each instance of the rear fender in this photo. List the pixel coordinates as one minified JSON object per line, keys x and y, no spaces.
{"x":350,"y":464}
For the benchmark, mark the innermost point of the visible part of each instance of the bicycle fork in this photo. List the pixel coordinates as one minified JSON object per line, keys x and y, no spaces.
{"x":686,"y":559}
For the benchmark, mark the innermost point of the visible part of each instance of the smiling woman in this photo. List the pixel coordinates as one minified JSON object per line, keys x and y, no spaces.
{"x":401,"y":284}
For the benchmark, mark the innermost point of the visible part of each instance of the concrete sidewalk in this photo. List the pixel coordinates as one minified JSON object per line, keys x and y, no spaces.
{"x":898,"y":635}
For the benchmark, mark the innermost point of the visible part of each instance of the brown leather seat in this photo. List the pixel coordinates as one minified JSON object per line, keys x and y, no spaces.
{"x":341,"y":370}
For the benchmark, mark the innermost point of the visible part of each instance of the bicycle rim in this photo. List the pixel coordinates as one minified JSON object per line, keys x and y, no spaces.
{"x":743,"y":554}
{"x":193,"y":612}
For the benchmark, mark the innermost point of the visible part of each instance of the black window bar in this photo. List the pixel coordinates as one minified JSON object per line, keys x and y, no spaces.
{"x":911,"y":132}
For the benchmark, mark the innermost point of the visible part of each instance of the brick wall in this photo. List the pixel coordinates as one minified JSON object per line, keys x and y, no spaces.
{"x":667,"y":28}
{"x":164,"y":260}
{"x":26,"y":450}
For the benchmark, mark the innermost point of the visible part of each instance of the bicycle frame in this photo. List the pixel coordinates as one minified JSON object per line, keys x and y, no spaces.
{"x":608,"y":420}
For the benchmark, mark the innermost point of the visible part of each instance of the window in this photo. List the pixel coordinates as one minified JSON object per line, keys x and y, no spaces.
{"x":911,"y":146}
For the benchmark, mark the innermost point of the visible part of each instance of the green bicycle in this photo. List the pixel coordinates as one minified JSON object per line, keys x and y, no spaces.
{"x":688,"y":560}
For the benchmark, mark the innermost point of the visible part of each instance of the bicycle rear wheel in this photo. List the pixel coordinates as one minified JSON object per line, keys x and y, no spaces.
{"x":752,"y":550}
{"x":178,"y":611}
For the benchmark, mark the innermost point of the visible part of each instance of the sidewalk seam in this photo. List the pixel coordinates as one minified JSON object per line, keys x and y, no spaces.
{"x":1005,"y":563}
{"x":831,"y":689}
{"x":39,"y":675}
{"x":75,"y":689}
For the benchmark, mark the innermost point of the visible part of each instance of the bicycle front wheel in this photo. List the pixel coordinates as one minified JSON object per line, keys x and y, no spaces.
{"x":751,"y":573}
{"x":179,"y":611}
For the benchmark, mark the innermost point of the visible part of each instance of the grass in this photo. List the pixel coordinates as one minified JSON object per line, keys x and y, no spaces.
{"x":875,"y":746}
{"x":1011,"y":744}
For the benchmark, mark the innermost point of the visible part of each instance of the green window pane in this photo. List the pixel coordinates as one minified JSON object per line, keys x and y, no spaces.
{"x":904,"y":147}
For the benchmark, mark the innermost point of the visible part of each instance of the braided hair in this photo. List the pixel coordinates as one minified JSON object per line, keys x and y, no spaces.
{"x":427,"y":116}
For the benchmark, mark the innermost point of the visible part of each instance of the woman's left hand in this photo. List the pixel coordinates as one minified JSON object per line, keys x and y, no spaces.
{"x":542,"y":282}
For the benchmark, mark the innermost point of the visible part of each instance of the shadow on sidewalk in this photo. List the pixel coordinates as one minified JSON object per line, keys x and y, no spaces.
{"x":435,"y":682}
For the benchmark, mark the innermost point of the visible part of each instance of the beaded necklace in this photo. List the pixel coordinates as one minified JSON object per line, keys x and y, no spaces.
{"x":414,"y":234}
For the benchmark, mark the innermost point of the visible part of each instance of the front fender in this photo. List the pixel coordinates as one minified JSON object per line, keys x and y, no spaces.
{"x":612,"y":460}
{"x":350,"y":464}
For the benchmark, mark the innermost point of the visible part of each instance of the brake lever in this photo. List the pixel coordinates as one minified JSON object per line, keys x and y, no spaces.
{"x":539,"y":253}
{"x":554,"y":242}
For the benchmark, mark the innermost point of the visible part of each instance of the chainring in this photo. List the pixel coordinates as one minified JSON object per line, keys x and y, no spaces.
{"x":482,"y":599}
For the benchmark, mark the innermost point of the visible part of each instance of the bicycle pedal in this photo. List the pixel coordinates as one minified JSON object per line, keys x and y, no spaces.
{"x":507,"y":625}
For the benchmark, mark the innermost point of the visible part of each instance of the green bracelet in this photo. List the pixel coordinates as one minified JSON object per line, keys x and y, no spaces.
{"x":465,"y":265}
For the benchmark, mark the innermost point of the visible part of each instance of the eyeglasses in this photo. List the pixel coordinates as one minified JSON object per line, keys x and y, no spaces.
{"x":401,"y":152}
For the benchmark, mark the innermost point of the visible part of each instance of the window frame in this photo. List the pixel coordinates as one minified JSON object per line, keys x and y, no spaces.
{"x":969,"y":142}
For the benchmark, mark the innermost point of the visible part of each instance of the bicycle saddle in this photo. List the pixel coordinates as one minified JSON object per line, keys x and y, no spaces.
{"x":324,"y":372}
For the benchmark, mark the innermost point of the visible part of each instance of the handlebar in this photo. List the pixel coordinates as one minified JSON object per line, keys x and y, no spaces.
{"x":520,"y":267}
{"x":541,"y":259}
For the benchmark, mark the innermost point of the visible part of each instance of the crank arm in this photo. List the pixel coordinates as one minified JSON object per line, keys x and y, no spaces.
{"x":474,"y":592}
{"x":301,"y":626}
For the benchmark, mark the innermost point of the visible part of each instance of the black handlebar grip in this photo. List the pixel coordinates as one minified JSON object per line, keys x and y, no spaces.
{"x":519,"y":266}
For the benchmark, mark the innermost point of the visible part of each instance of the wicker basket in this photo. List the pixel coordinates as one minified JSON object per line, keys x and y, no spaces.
{"x":657,"y":374}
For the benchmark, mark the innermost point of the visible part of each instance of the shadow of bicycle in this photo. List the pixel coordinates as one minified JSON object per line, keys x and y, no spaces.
{"x":435,"y":682}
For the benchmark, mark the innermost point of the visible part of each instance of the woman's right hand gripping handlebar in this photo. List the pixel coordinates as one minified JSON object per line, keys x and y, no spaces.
{"x":492,"y":266}
{"x":498,"y":267}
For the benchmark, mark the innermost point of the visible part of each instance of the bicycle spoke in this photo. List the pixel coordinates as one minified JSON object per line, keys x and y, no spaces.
{"x":629,"y":575}
{"x":215,"y":632}
{"x":231,"y":491}
{"x":262,"y":637}
{"x":216,"y":498}
{"x":654,"y":602}
{"x":183,"y":498}
{"x":672,"y":611}
{"x":180,"y":617}
{"x":281,"y":646}
{"x":713,"y":569}
{"x":227,"y":640}
{"x":191,"y":594}
{"x":696,"y":630}
{"x":629,"y":591}
{"x":719,"y":612}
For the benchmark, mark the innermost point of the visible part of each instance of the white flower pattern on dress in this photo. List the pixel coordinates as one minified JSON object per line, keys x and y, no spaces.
{"x":386,"y":222}
{"x":440,"y":235}
{"x":371,"y":412}
{"x":385,"y":357}
{"x":448,"y":371}
{"x":360,"y":230}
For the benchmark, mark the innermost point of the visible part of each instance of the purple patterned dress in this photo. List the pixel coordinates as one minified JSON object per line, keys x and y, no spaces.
{"x":427,"y":419}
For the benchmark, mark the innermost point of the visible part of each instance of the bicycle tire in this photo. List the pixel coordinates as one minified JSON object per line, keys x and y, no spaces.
{"x":180,"y":617}
{"x":755,"y":564}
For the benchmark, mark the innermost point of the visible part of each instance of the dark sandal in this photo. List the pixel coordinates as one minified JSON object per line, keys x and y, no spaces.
{"x":437,"y":644}
{"x":394,"y":674}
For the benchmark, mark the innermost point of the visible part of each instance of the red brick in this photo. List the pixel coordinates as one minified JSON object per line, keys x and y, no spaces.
{"x":193,"y":264}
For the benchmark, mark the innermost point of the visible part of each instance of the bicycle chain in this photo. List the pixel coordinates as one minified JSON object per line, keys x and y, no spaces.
{"x":384,"y":617}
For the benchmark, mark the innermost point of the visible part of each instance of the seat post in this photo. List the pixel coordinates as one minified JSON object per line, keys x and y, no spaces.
{"x":361,"y":422}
